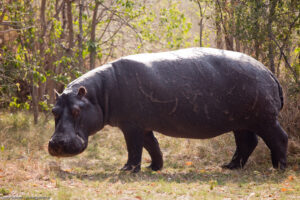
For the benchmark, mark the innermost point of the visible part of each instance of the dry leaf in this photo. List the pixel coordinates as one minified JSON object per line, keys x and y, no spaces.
{"x":52,"y":180}
{"x":189,"y":163}
{"x":295,"y":167}
{"x":283,"y":189}
{"x":120,"y":192}
{"x":152,"y":184}
{"x":291,"y":178}
{"x":68,"y":170}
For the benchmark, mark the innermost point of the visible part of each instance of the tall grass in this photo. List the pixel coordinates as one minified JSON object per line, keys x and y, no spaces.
{"x":17,"y":131}
{"x":191,"y":167}
{"x":290,"y":119}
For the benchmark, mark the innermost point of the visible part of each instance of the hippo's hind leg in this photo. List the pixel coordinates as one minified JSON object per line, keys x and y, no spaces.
{"x":246,"y":142}
{"x":152,"y":146}
{"x":277,"y":141}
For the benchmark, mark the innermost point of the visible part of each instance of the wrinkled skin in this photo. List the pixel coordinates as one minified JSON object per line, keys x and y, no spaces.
{"x":191,"y":93}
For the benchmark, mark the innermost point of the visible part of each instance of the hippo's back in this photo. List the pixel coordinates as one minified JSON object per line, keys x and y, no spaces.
{"x":201,"y":58}
{"x":197,"y":88}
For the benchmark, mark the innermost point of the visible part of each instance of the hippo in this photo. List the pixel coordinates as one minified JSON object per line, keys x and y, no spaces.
{"x":194,"y":93}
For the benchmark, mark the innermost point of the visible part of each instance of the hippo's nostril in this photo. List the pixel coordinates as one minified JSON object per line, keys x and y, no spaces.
{"x":56,"y":145}
{"x":60,"y":142}
{"x":51,"y":142}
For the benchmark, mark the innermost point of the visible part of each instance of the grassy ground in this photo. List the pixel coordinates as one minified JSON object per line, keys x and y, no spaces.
{"x":191,"y":168}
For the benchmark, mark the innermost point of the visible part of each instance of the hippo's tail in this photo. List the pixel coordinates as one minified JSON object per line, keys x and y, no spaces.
{"x":280,"y":90}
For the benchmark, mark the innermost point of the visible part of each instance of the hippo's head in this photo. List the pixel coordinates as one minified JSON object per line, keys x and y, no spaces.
{"x":76,"y":118}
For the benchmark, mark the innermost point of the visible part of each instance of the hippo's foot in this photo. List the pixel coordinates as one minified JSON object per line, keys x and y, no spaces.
{"x":132,"y":168}
{"x":155,"y":167}
{"x":232,"y":165}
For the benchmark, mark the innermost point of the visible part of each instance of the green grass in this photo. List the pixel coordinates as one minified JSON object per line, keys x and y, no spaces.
{"x":191,"y":168}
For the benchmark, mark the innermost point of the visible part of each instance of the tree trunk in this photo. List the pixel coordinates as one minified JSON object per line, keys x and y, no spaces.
{"x":93,"y":36}
{"x":237,"y":26}
{"x":80,"y":59}
{"x":237,"y":45}
{"x":200,"y":23}
{"x":64,"y":19}
{"x":35,"y":104}
{"x":218,"y":26}
{"x":226,"y":25}
{"x":229,"y":42}
{"x":70,"y":26}
{"x":51,"y":84}
{"x":256,"y":29}
{"x":41,"y":42}
{"x":201,"y":32}
{"x":272,"y":6}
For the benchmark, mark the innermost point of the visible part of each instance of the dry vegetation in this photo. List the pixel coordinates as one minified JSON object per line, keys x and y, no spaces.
{"x":191,"y":169}
{"x":289,"y":118}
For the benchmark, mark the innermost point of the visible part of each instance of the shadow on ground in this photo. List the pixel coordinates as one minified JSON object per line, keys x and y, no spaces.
{"x":221,"y":176}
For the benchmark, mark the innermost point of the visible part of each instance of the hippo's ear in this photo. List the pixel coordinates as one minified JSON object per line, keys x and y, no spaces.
{"x":81,"y":92}
{"x":56,"y":94}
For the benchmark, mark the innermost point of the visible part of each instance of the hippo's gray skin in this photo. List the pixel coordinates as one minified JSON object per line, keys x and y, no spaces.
{"x":190,"y":93}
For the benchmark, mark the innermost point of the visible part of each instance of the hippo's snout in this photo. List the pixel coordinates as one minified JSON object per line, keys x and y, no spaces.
{"x":65,"y":147}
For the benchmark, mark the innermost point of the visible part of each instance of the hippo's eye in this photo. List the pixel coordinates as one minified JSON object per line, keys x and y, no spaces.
{"x":55,"y":112}
{"x":75,"y":111}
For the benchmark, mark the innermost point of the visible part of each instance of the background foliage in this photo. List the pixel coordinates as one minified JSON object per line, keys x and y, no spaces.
{"x":46,"y":44}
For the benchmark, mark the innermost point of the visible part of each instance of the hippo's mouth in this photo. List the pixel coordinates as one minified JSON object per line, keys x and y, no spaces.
{"x":73,"y":147}
{"x":81,"y":139}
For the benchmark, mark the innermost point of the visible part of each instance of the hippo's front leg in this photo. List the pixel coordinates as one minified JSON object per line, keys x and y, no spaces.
{"x":134,"y":138}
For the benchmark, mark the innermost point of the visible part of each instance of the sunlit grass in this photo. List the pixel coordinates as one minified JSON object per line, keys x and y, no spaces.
{"x":191,"y":168}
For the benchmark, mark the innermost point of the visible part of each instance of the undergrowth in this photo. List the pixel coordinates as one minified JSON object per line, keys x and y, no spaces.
{"x":191,"y":168}
{"x":289,"y":118}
